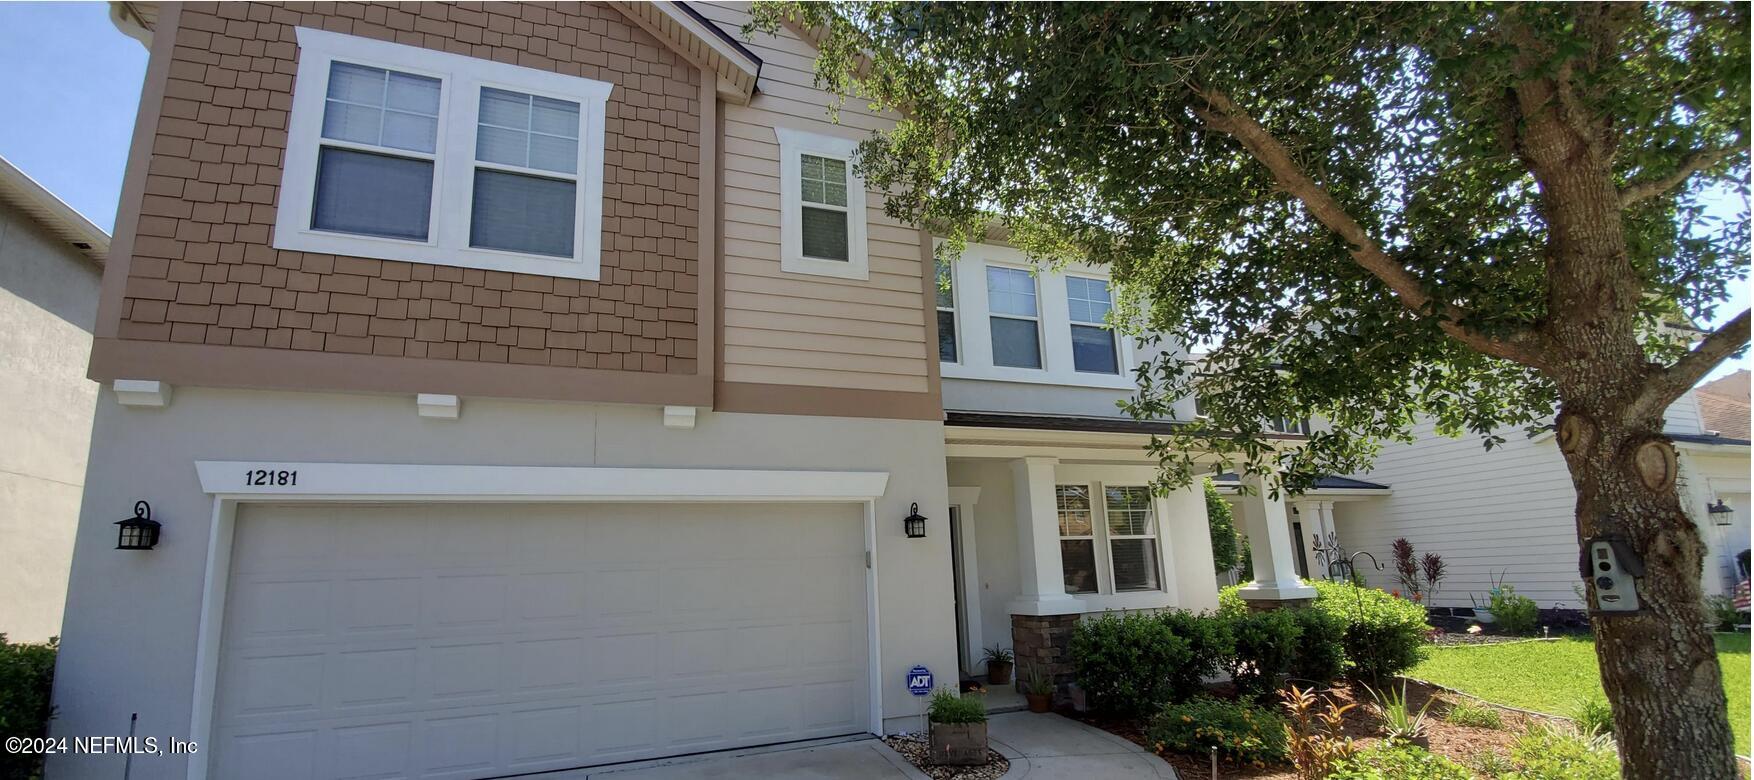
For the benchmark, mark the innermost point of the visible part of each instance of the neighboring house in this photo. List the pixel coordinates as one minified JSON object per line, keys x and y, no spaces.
{"x":1508,"y":513}
{"x":1723,"y":405}
{"x":51,"y":259}
{"x":523,"y":387}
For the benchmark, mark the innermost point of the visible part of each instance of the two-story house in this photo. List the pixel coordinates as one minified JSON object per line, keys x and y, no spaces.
{"x":521,"y":387}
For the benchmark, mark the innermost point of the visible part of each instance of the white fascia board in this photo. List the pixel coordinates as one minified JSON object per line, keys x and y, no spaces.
{"x":412,"y":482}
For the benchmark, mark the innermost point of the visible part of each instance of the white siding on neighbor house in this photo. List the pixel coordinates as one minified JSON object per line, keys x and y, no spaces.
{"x":48,"y":303}
{"x":799,"y":329}
{"x":1507,"y":511}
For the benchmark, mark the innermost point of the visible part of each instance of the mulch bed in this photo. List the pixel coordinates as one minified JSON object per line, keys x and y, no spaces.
{"x":914,"y":747}
{"x":1459,"y":743}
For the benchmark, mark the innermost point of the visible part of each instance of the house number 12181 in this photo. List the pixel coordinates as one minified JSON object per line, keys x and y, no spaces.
{"x":255,"y":477}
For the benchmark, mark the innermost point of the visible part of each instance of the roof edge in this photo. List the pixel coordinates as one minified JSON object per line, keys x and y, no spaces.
{"x":24,"y":193}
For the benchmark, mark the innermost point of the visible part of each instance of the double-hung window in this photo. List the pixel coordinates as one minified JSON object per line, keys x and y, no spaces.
{"x":1132,"y":537}
{"x":1077,"y":538}
{"x":822,"y":206}
{"x":1088,"y":303}
{"x":404,"y":153}
{"x":1014,"y":317}
{"x":946,"y":289}
{"x":1121,"y":526}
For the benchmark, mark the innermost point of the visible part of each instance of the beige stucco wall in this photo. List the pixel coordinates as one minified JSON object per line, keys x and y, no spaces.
{"x":48,"y":301}
{"x":130,"y":638}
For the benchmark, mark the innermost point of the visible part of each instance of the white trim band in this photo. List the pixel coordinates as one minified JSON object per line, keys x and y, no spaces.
{"x":391,"y":481}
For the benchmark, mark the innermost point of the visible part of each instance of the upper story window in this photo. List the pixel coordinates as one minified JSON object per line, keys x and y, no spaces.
{"x":946,"y":287}
{"x":1014,"y":318}
{"x":1005,"y":320}
{"x":822,"y":207}
{"x":1093,"y":344}
{"x":403,"y":153}
{"x":1288,"y":425}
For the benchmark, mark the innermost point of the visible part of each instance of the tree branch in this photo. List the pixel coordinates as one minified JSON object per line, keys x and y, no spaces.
{"x":1691,"y":164}
{"x":1662,"y":387}
{"x":1226,"y":117}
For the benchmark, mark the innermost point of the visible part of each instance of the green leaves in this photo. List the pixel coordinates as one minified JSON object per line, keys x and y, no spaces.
{"x":1085,"y":129}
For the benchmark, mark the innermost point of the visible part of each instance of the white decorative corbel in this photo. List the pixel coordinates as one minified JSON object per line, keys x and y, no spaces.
{"x":142,"y":392}
{"x":438,"y":406}
{"x":679,"y":417}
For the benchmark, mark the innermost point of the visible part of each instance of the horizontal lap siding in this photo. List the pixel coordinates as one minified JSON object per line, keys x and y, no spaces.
{"x":203,"y":269}
{"x":1505,"y":511}
{"x":796,"y":329}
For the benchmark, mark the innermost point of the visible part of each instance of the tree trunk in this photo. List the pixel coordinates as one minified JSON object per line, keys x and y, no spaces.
{"x":1659,"y":665}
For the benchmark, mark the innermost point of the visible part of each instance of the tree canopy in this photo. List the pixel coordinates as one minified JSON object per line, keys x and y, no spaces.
{"x":1351,"y":204}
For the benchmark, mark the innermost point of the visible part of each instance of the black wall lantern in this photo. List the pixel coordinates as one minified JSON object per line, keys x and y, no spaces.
{"x":139,"y":532}
{"x":1720,"y":512}
{"x":915,"y":523}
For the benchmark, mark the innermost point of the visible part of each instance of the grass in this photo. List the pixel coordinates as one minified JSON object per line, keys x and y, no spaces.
{"x":1556,"y":677}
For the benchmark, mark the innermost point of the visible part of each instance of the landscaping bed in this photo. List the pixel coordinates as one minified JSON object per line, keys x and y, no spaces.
{"x":1463,"y":744}
{"x":914,"y":748}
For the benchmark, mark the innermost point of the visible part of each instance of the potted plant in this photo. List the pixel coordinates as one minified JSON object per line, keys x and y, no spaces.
{"x":1039,"y":690}
{"x":959,"y":729}
{"x":999,"y":661}
{"x":1400,"y":722}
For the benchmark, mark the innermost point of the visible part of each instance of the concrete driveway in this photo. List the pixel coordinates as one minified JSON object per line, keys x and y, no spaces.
{"x":1040,"y":747}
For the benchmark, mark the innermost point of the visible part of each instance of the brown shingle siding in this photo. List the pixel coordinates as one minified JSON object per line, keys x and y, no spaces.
{"x":203,"y":271}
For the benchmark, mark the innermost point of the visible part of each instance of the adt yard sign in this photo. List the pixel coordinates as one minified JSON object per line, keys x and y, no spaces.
{"x":919,"y":681}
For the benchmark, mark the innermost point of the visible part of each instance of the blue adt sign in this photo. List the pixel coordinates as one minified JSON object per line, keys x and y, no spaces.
{"x":919,"y":681}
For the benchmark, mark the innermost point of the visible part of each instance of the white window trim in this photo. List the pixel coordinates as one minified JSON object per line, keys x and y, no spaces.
{"x":1041,"y":347}
{"x":454,"y":164}
{"x":975,"y":347}
{"x":1101,"y":540}
{"x":794,"y":144}
{"x":1114,"y":336}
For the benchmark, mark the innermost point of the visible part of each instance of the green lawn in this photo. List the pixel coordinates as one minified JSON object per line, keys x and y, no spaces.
{"x":1554,"y":676}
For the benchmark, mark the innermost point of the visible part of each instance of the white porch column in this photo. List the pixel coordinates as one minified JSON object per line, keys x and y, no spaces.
{"x":1269,"y":530}
{"x":1317,"y":517}
{"x":1043,"y":581}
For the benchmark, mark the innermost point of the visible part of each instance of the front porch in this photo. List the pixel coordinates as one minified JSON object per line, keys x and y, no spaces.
{"x":1312,"y":521}
{"x":1050,"y":524}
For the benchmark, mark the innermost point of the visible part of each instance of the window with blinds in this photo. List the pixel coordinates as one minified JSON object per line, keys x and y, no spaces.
{"x":947,"y":343}
{"x":1077,"y":538}
{"x":1132,"y":537}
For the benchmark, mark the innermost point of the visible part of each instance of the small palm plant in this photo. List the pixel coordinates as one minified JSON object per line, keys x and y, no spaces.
{"x":1400,"y":722}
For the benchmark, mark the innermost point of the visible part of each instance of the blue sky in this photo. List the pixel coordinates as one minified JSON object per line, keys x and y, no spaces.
{"x":73,"y":84}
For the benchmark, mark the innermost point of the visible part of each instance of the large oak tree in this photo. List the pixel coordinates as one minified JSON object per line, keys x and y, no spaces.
{"x":1475,"y":213}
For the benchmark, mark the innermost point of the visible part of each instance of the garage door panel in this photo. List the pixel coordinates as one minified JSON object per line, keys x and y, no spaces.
{"x":576,"y":636}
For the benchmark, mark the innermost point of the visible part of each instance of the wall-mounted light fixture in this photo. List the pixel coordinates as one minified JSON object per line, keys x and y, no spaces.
{"x":1720,"y":512}
{"x":139,"y":532}
{"x":915,"y":524}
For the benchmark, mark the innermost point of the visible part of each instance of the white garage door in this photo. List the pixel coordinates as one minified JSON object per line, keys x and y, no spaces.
{"x":489,"y":640}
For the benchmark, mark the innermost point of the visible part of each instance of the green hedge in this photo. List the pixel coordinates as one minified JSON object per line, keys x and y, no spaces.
{"x":1398,"y":761}
{"x":1241,"y":732}
{"x":26,"y":673}
{"x":1125,"y":664}
{"x":1383,"y":635}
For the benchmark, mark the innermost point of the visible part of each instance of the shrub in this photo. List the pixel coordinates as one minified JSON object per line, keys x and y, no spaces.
{"x":1321,"y":648}
{"x":1382,"y":637}
{"x":1241,"y":732}
{"x":948,"y":706}
{"x":1125,"y":664}
{"x":1723,"y":612}
{"x":1556,"y":753}
{"x":1398,"y":761}
{"x":1515,"y":613}
{"x":1210,"y":646}
{"x":1266,"y":649}
{"x":1479,"y":716}
{"x":26,"y":672}
{"x":1491,"y":764}
{"x":1594,"y":717}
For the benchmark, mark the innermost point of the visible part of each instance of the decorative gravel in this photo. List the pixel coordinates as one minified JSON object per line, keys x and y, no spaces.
{"x":914,"y":747}
{"x":1458,"y":638}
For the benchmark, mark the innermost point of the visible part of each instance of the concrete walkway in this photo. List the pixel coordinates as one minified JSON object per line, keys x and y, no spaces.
{"x":1045,"y":747}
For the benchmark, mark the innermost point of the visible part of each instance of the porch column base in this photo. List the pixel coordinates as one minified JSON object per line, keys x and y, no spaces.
{"x":1043,"y":643}
{"x":1262,"y":596}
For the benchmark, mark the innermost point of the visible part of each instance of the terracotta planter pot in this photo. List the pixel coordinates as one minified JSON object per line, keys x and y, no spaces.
{"x":998,"y":672}
{"x":958,"y":744}
{"x":1040,"y":702}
